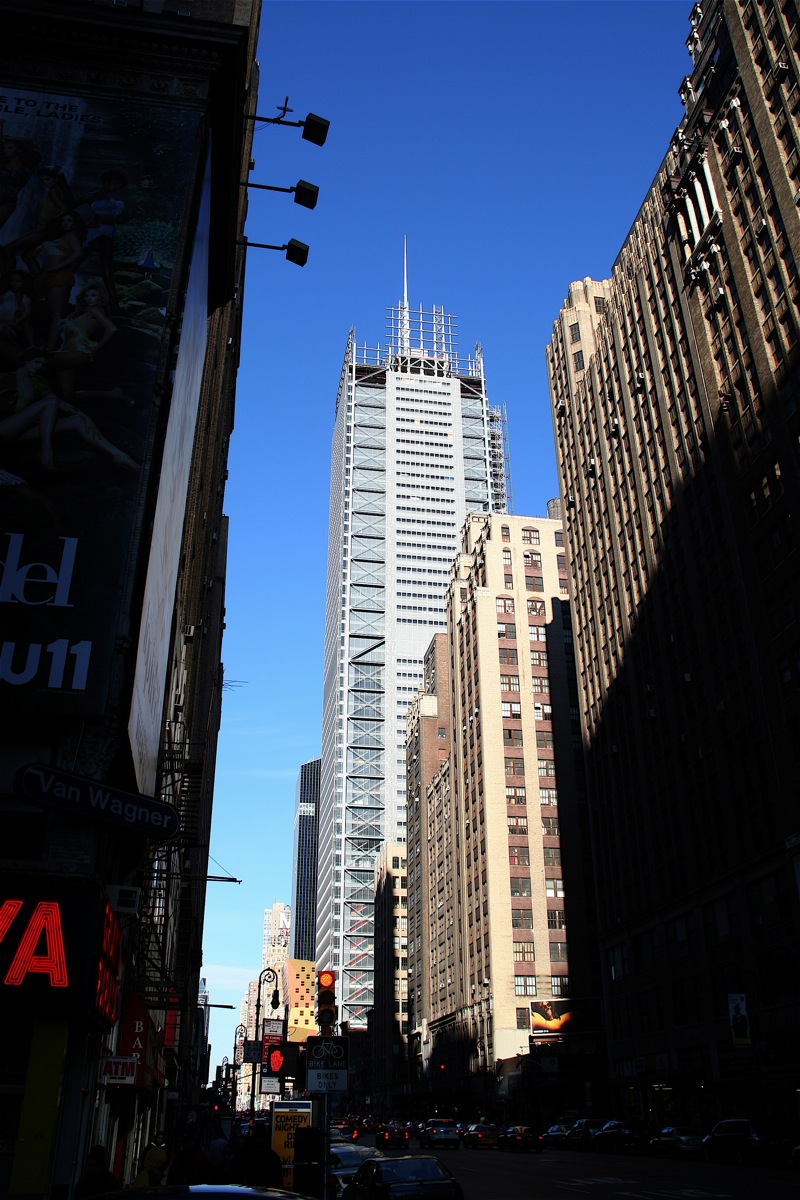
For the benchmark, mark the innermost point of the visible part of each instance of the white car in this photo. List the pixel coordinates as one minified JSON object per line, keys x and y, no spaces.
{"x":440,"y":1132}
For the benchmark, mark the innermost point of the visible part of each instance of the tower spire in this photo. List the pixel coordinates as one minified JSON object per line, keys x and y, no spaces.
{"x":405,"y":327}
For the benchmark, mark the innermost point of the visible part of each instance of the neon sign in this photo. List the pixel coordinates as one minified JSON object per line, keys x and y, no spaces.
{"x":44,"y":926}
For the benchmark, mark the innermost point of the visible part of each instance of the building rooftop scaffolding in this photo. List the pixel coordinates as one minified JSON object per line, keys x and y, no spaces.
{"x":421,"y":337}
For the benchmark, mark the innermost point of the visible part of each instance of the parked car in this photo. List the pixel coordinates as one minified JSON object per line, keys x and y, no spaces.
{"x":740,"y":1141}
{"x":677,"y":1141}
{"x":439,"y":1132}
{"x":482,"y":1137}
{"x":555,"y":1136}
{"x":345,"y":1160}
{"x":581,"y":1135}
{"x":392,"y":1134}
{"x":622,"y":1137}
{"x":521,"y":1138}
{"x":423,"y":1176}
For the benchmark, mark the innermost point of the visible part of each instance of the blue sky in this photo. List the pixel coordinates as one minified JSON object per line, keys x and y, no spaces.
{"x":512,"y":144}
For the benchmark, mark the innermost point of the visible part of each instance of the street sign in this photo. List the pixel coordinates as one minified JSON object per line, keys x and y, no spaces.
{"x":327,"y":1062}
{"x":272,"y":1036}
{"x":251,"y":1052}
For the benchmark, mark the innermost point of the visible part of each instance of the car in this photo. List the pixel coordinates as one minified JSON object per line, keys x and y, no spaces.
{"x":392,"y":1134}
{"x":482,"y":1137}
{"x":555,"y":1136}
{"x":348,"y":1131}
{"x":621,"y":1137}
{"x":739,"y":1140}
{"x":209,"y":1191}
{"x":581,"y":1135}
{"x":441,"y":1131}
{"x":677,"y":1141}
{"x":344,"y":1162}
{"x":422,"y":1176}
{"x":521,"y":1138}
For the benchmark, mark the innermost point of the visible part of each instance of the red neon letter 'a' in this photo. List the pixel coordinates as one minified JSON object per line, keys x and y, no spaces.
{"x":8,"y":910}
{"x":46,"y":920}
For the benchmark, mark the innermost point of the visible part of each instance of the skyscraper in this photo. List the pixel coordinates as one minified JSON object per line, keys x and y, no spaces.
{"x":500,"y":942}
{"x":416,"y":447}
{"x":304,"y":863}
{"x":675,"y":387}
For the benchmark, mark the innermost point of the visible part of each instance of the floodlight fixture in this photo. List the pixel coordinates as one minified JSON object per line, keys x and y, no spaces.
{"x":296,"y":252}
{"x":305,"y":193}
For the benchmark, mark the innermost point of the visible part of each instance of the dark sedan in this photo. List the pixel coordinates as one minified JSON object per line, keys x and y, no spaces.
{"x":677,"y":1141}
{"x":521,"y":1138}
{"x":391,"y":1178}
{"x":392,"y":1134}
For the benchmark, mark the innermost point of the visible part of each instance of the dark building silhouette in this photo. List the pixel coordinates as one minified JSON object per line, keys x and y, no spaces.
{"x":123,"y":141}
{"x":304,"y":863}
{"x":675,"y":387}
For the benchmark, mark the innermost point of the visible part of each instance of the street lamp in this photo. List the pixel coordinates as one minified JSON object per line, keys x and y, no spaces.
{"x":272,"y":975}
{"x":239,"y":1035}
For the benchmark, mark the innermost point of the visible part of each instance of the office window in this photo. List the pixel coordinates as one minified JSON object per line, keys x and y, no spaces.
{"x":507,"y":630}
{"x":521,"y":886}
{"x":515,"y":794}
{"x":506,"y":558}
{"x":504,"y":604}
{"x":508,"y":655}
{"x":556,"y":918}
{"x":512,"y":709}
{"x":515,"y":766}
{"x":547,"y":767}
{"x":530,"y":537}
{"x":550,"y":827}
{"x":505,"y":533}
{"x":524,"y":1017}
{"x":540,"y":683}
{"x":537,"y":608}
{"x":524,"y":985}
{"x":544,"y":739}
{"x":559,"y":985}
{"x":558,"y":952}
{"x":524,"y":952}
{"x":538,"y":657}
{"x":552,"y":856}
{"x":559,"y":537}
{"x":578,"y":361}
{"x":509,"y":683}
{"x":511,"y":737}
{"x":508,"y":581}
{"x":519,"y":856}
{"x":554,"y":888}
{"x":517,"y":826}
{"x":521,"y":918}
{"x":575,"y":332}
{"x":548,"y":796}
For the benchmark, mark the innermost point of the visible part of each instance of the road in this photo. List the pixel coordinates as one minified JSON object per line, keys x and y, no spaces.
{"x":559,"y":1175}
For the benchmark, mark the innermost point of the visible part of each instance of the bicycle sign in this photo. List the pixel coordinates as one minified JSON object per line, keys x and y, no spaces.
{"x":327,"y":1061}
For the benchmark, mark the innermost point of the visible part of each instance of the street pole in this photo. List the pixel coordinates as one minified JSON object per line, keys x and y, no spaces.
{"x":272,"y":975}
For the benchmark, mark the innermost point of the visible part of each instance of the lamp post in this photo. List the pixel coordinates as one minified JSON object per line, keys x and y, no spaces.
{"x":272,"y":975}
{"x":239,"y":1035}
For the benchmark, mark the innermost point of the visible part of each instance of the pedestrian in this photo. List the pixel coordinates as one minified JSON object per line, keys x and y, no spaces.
{"x":190,"y":1164}
{"x":96,"y":1177}
{"x":257,"y":1164}
{"x":153,"y":1163}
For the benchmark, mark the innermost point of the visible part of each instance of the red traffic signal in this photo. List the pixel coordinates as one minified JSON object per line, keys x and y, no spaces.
{"x":326,"y":998}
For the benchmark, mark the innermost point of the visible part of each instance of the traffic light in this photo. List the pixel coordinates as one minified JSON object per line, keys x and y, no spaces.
{"x":326,"y":1001}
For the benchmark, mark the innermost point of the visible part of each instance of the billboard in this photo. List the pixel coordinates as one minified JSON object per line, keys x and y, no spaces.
{"x":93,"y":198}
{"x":558,"y":1018}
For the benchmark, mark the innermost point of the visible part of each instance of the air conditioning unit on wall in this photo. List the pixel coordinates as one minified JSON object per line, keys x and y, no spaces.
{"x":123,"y":899}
